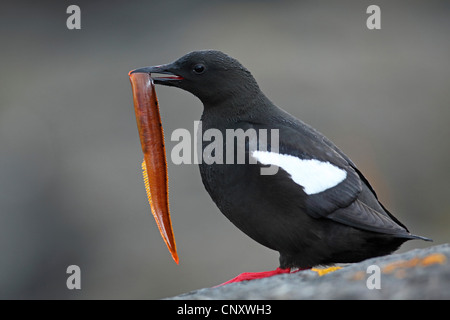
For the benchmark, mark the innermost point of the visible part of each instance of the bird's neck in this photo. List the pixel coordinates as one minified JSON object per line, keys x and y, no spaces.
{"x":238,"y":107}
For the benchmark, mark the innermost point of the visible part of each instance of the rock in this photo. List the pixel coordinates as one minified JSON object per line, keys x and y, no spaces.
{"x":416,"y":274}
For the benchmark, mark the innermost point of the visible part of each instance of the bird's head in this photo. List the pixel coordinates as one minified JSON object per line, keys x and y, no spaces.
{"x":210,"y":75}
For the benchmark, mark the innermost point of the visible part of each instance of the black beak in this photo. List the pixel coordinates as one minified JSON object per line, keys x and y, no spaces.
{"x":171,"y":80}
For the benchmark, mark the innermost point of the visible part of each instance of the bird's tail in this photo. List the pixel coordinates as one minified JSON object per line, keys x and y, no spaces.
{"x":412,"y":236}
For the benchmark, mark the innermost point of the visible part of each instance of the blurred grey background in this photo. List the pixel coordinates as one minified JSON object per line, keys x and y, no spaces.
{"x":71,"y":190}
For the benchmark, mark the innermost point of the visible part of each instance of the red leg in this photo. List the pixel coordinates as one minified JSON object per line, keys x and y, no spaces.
{"x":258,"y":275}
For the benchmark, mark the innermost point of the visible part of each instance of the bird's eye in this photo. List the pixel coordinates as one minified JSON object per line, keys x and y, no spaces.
{"x":199,"y":68}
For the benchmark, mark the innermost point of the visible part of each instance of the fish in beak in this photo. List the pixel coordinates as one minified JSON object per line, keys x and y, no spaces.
{"x":154,"y":165}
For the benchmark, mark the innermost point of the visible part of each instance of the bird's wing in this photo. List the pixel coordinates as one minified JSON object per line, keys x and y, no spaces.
{"x":360,"y":215}
{"x":325,"y":181}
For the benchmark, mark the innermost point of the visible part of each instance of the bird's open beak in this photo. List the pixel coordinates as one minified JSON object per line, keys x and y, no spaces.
{"x":152,"y":142}
{"x":167,"y":69}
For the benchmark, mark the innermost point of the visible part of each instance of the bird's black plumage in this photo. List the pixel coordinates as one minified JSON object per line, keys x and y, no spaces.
{"x":342,"y":221}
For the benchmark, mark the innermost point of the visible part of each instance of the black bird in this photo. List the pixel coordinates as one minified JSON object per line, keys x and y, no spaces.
{"x":318,"y":208}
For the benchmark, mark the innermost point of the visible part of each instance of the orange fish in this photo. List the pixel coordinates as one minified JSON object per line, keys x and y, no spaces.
{"x":154,"y":165}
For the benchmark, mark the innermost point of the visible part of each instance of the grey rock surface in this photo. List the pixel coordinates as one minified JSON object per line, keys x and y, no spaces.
{"x":416,"y":274}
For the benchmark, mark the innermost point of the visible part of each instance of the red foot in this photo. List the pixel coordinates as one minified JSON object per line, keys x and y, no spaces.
{"x":246,"y":276}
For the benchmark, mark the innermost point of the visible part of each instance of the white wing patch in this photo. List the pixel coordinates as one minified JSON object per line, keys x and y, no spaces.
{"x":313,"y":175}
